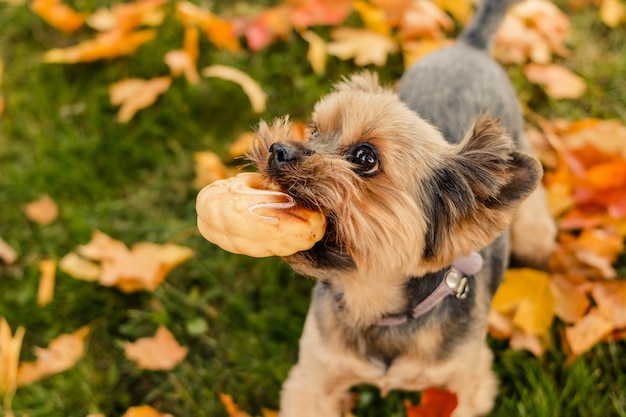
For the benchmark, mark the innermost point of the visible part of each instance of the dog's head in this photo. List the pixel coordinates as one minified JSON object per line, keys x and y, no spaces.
{"x":399,"y":199}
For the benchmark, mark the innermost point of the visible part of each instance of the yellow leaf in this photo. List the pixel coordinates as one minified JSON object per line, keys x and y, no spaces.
{"x":79,"y":268}
{"x":209,"y":168}
{"x":43,"y":211}
{"x":220,"y":32}
{"x":134,"y":94}
{"x":7,"y":253}
{"x":62,"y":354}
{"x":45,"y":293}
{"x":460,"y":9}
{"x":59,"y":15}
{"x":612,"y":12}
{"x":317,"y":51}
{"x":527,"y":294}
{"x":588,"y":331}
{"x":184,"y":61}
{"x":10,"y":347}
{"x":161,"y":352}
{"x":125,"y":17}
{"x":414,"y":50}
{"x":373,"y":17}
{"x":252,"y":89}
{"x":144,"y":411}
{"x":558,"y":81}
{"x":362,"y":45}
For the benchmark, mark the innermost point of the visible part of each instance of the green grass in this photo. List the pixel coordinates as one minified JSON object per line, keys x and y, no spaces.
{"x":240,"y":317}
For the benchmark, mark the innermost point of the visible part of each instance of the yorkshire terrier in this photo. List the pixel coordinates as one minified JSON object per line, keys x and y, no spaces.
{"x":419,"y":189}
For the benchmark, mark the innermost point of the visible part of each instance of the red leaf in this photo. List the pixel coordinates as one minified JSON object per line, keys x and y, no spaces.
{"x":435,"y":403}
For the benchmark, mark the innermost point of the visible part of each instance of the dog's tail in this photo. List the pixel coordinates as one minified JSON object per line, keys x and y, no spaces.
{"x":482,"y":30}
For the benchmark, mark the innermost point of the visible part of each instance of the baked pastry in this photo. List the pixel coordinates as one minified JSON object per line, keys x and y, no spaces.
{"x":242,"y":216}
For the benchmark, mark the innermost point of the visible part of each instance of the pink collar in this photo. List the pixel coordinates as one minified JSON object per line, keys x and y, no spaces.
{"x":455,"y":282}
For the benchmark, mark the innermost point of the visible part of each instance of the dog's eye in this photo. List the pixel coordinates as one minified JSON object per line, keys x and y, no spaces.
{"x":366,"y":159}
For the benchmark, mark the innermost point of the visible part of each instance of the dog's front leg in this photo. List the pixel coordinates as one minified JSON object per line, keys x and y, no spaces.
{"x":317,"y":384}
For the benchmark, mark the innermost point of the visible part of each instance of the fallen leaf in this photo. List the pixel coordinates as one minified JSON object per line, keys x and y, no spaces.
{"x":530,"y":342}
{"x":557,"y":81}
{"x":305,"y":13}
{"x":220,"y":32}
{"x":8,"y":255}
{"x":141,"y":268}
{"x":45,"y":293}
{"x":414,"y":50}
{"x":184,"y":61}
{"x":316,"y":55}
{"x":571,"y":298}
{"x":423,"y":19}
{"x":434,"y":403}
{"x":209,"y":168}
{"x":526,"y":294}
{"x":588,"y":331}
{"x":271,"y":24}
{"x":79,"y":268}
{"x":105,"y":45}
{"x":58,"y":15}
{"x":10,"y":347}
{"x":144,"y":411}
{"x":62,"y":354}
{"x":43,"y":211}
{"x":460,"y":9}
{"x":364,"y":46}
{"x":231,"y":408}
{"x":373,"y":16}
{"x":252,"y":89}
{"x":612,"y":12}
{"x":125,"y":17}
{"x":611,"y":300}
{"x":161,"y":352}
{"x":242,"y":145}
{"x":134,"y":94}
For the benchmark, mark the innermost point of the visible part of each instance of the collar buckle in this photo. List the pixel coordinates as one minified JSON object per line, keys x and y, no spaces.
{"x":457,"y":282}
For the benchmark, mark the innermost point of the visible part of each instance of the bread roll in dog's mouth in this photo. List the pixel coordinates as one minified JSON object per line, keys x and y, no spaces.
{"x":241,"y":215}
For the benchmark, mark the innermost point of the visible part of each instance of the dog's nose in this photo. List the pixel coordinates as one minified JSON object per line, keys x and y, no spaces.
{"x":282,"y":153}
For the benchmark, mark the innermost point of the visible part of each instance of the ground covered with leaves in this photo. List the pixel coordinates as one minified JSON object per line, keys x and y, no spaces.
{"x":113,"y":115}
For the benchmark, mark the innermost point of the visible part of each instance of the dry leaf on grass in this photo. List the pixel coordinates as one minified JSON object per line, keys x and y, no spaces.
{"x":252,"y":89}
{"x":127,"y":16}
{"x":362,"y":45}
{"x":231,"y":408}
{"x":10,"y":347}
{"x":105,"y":45}
{"x":423,"y":19}
{"x":79,"y":268}
{"x":45,"y":293}
{"x":220,"y":32}
{"x":434,"y":403}
{"x":58,"y":15}
{"x":557,"y":81}
{"x":316,"y":55}
{"x":144,"y":411}
{"x":271,"y":24}
{"x":373,"y":16}
{"x":62,"y":354}
{"x":134,"y":94}
{"x":8,"y":255}
{"x":161,"y":352}
{"x":612,"y":12}
{"x":305,"y":13}
{"x":184,"y":61}
{"x":209,"y":168}
{"x":43,"y":211}
{"x":588,"y":331}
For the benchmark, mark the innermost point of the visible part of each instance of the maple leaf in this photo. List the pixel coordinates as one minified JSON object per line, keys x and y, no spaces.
{"x":253,"y":90}
{"x":43,"y":211}
{"x":527,"y":296}
{"x":434,"y":403}
{"x":305,"y":13}
{"x":8,"y":255}
{"x":271,"y":24}
{"x":221,"y":32}
{"x":610,"y":298}
{"x":10,"y":347}
{"x":588,"y":331}
{"x":414,"y":50}
{"x":144,"y":411}
{"x":79,"y":268}
{"x":58,"y":15}
{"x":373,"y":16}
{"x":558,"y":81}
{"x":460,"y":9}
{"x":134,"y":94}
{"x":183,"y":61}
{"x":45,"y":293}
{"x":365,"y":46}
{"x":62,"y":354}
{"x":124,"y":17}
{"x":105,"y":45}
{"x":161,"y":352}
{"x":423,"y":19}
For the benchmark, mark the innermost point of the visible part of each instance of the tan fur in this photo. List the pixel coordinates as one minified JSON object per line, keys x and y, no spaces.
{"x":429,"y":202}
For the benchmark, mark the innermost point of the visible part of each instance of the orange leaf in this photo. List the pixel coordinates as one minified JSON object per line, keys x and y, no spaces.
{"x":305,"y":13}
{"x":10,"y":347}
{"x":317,"y":51}
{"x":45,"y":293}
{"x":219,"y":31}
{"x":134,"y":94}
{"x":58,"y":15}
{"x":253,"y":90}
{"x":161,"y":352}
{"x":79,"y":268}
{"x":209,"y":168}
{"x":365,"y":46}
{"x":611,"y":300}
{"x":125,"y":17}
{"x":526,"y":293}
{"x":435,"y":403}
{"x":588,"y":331}
{"x":612,"y":12}
{"x":183,"y":61}
{"x":231,"y":408}
{"x":7,"y":253}
{"x":43,"y":211}
{"x":104,"y":46}
{"x":373,"y":16}
{"x":423,"y":19}
{"x":144,"y":411}
{"x":571,"y":301}
{"x":557,"y":81}
{"x":62,"y":354}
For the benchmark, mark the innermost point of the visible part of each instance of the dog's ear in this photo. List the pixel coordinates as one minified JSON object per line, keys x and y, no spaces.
{"x":365,"y":81}
{"x":475,"y":192}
